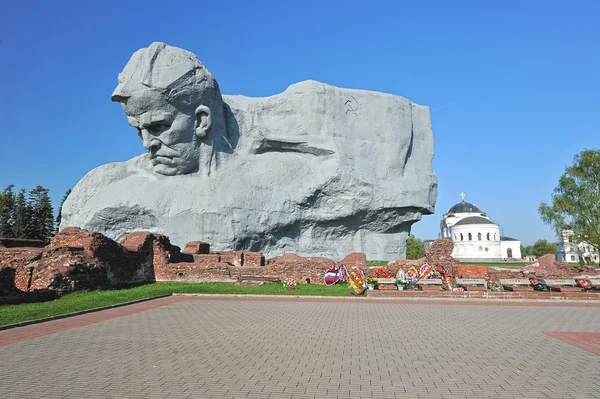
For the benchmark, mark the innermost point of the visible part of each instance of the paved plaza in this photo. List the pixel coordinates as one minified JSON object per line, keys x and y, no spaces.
{"x":226,"y":347}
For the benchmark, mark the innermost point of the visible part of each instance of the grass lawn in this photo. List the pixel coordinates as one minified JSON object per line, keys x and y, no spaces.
{"x":495,"y":264}
{"x":376,"y":263}
{"x":83,"y":300}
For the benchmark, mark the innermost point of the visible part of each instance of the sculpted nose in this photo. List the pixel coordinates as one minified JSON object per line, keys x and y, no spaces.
{"x":152,"y":145}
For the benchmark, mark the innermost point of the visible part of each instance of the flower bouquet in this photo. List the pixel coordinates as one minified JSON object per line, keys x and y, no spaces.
{"x":494,"y":285}
{"x":538,"y":285}
{"x":583,"y":283}
{"x":290,"y":284}
{"x":401,"y":282}
{"x":371,"y":282}
{"x":380,"y":272}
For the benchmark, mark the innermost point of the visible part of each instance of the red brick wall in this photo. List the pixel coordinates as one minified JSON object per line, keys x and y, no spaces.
{"x":185,"y":271}
{"x":233,"y":258}
{"x":252,"y":259}
{"x":197,"y":247}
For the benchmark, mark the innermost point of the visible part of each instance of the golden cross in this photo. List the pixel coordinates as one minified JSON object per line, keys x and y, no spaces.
{"x":463,"y":195}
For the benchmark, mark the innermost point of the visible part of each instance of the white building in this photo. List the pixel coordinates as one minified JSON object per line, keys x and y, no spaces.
{"x":569,"y":251}
{"x":475,"y":236}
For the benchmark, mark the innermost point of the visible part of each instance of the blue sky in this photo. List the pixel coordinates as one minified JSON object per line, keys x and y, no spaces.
{"x":513,"y":85}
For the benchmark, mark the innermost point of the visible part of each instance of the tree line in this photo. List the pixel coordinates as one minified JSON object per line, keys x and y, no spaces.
{"x":28,"y":213}
{"x":539,"y":248}
{"x":575,"y":203}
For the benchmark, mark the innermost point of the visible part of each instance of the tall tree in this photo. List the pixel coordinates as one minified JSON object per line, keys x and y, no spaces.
{"x":543,"y":247}
{"x":42,"y":215}
{"x":7,"y":210}
{"x":415,"y":248}
{"x":23,"y":226}
{"x":59,"y":217}
{"x":575,"y":202}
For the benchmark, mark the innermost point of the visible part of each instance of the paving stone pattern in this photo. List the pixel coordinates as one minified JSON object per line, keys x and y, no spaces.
{"x":310,"y":349}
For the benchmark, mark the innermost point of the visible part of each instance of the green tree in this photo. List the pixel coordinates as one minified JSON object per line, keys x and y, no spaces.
{"x":575,"y":202}
{"x":42,"y":213}
{"x":415,"y":248}
{"x":7,"y":210}
{"x":524,"y":251}
{"x":543,"y":247}
{"x":23,"y":226}
{"x":59,"y":217}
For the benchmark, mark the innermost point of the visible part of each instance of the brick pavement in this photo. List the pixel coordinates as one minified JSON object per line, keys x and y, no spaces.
{"x":309,"y":348}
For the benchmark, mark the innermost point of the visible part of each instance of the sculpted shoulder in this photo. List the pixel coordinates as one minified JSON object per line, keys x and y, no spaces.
{"x":115,"y":171}
{"x":99,"y":178}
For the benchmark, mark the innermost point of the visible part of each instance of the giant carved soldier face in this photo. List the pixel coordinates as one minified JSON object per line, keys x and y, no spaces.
{"x":171,"y":136}
{"x":168,"y":96}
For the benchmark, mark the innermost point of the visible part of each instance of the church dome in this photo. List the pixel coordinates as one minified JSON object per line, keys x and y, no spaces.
{"x":464,"y":207}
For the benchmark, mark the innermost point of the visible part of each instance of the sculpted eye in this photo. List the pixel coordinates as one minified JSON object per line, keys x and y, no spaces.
{"x":158,"y":127}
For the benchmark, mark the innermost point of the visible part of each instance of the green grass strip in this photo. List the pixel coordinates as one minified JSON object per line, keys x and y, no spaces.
{"x":376,"y":263}
{"x":84,"y":300}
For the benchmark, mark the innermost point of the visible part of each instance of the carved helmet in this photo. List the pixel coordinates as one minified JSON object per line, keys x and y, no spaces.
{"x":172,"y":71}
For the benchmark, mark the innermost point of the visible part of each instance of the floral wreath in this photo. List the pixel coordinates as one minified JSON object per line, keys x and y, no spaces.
{"x":413,"y":274}
{"x":448,"y":283}
{"x":356,"y":281}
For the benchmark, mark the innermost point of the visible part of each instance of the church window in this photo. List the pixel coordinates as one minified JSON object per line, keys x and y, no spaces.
{"x":572,"y":257}
{"x":470,"y":237}
{"x":494,"y":236}
{"x":509,"y":253}
{"x":461,"y":236}
{"x":479,"y":236}
{"x":454,"y":237}
{"x":488,"y":236}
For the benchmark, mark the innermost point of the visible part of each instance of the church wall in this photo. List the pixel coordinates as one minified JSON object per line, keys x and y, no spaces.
{"x":571,"y":252}
{"x":515,"y":246}
{"x":476,"y":248}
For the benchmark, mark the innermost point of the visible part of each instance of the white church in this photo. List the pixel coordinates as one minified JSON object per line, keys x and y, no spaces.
{"x":475,"y":236}
{"x":568,"y":250}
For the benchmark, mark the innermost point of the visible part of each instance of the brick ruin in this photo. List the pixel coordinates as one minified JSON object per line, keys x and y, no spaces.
{"x":79,"y":259}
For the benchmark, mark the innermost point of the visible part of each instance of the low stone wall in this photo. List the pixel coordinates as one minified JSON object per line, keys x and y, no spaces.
{"x":77,"y":259}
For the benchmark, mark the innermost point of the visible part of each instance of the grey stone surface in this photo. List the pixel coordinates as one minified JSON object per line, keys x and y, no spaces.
{"x":316,"y":170}
{"x":311,"y":348}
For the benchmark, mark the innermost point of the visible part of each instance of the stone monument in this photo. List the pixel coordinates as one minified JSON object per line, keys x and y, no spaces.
{"x":316,"y":170}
